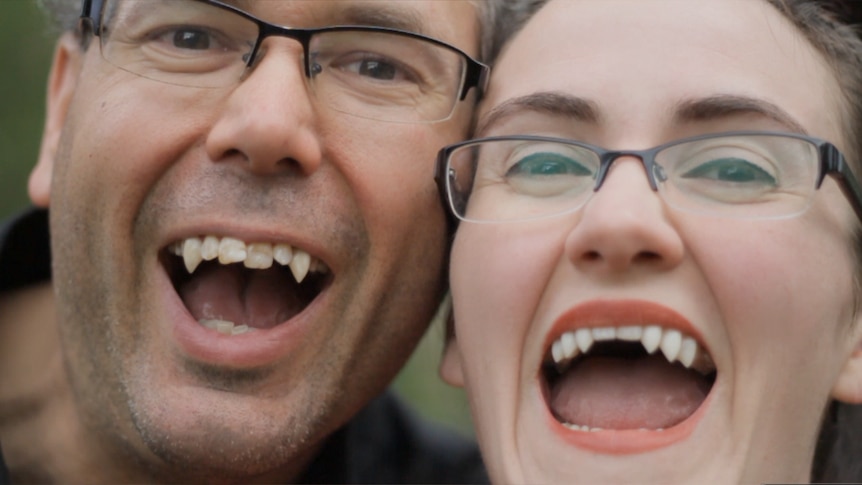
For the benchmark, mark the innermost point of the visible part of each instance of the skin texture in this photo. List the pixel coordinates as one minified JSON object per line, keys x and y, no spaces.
{"x":129,"y":165}
{"x":772,"y":300}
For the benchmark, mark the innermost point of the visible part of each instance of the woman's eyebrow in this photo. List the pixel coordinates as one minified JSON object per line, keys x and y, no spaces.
{"x":730,"y":105}
{"x":550,"y":103}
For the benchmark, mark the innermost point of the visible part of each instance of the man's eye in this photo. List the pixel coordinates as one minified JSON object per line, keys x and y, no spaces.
{"x":547,"y":164}
{"x":194,"y":39}
{"x":731,"y":170}
{"x":376,"y":67}
{"x":377,"y":70}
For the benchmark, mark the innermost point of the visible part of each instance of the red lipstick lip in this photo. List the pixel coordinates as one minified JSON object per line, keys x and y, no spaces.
{"x":618,"y":313}
{"x":629,"y":441}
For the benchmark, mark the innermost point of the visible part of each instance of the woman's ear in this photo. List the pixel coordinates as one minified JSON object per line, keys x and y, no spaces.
{"x":61,"y":85}
{"x":450,"y":365}
{"x":848,"y":388}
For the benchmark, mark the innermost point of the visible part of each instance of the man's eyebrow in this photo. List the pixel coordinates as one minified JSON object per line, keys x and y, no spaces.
{"x":550,"y":103}
{"x":727,"y":105}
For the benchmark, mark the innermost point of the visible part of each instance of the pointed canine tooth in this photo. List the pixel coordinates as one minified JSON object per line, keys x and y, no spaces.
{"x":631,"y":333}
{"x":569,"y":344}
{"x":192,"y":254}
{"x":299,"y":264}
{"x":687,"y":351}
{"x":282,"y":253}
{"x":231,"y":250}
{"x":651,"y":338}
{"x":602,"y":334}
{"x":557,"y":352}
{"x":671,"y":342}
{"x":259,"y":256}
{"x":209,"y":248}
{"x":584,"y":338}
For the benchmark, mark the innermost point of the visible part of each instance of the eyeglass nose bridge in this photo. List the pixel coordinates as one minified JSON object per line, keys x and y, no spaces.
{"x":653,"y":170}
{"x":266,"y":30}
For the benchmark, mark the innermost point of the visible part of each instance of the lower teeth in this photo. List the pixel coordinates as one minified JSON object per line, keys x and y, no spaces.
{"x":225,"y":327}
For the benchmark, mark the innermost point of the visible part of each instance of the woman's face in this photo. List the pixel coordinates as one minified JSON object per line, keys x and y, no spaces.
{"x":766,"y":305}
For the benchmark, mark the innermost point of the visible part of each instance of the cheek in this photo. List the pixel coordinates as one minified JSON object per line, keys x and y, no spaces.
{"x":497,"y":280}
{"x":784,"y":290}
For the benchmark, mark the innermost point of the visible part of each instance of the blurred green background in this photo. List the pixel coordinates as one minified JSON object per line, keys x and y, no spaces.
{"x":26,"y":45}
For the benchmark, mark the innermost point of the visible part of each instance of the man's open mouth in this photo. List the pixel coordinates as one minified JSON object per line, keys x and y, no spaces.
{"x":234,"y":287}
{"x":626,"y":378}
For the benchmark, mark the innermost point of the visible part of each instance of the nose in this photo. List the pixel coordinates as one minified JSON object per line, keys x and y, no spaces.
{"x":267,"y":123}
{"x":624,"y":225}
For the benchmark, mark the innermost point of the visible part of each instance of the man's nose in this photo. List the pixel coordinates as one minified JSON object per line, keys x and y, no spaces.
{"x":268,"y":121}
{"x":624,"y":225}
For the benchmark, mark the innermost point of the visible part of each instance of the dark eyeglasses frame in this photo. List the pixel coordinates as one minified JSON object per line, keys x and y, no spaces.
{"x":476,"y":74}
{"x":831,"y":162}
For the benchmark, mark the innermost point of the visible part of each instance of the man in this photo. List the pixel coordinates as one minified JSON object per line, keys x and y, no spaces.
{"x":246,"y":243}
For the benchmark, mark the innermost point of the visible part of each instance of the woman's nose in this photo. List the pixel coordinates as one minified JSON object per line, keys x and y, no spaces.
{"x":624,"y":225}
{"x":267,"y":123}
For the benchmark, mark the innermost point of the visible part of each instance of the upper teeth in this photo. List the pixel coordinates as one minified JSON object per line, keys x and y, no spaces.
{"x":228,"y":250}
{"x":674,"y":345}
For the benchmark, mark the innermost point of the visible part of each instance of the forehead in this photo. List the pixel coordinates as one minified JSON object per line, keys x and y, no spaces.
{"x":453,"y":21}
{"x":636,"y":60}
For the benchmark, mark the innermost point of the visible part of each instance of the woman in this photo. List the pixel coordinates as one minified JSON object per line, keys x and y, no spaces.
{"x":653,"y":285}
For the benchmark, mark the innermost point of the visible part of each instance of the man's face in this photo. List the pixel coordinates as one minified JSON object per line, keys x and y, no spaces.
{"x":136,"y":167}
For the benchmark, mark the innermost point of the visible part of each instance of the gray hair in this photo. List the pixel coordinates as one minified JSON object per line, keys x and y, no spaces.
{"x":498,"y":19}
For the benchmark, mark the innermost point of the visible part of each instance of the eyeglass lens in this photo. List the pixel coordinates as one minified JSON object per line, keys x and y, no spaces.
{"x":366,"y":72}
{"x":750,"y":176}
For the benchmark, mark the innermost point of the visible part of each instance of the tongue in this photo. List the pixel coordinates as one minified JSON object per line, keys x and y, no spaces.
{"x":616,"y":393}
{"x":257,"y":298}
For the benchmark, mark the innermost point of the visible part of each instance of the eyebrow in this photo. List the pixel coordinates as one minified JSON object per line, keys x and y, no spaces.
{"x":551,"y":103}
{"x":728,"y":105}
{"x":686,"y":111}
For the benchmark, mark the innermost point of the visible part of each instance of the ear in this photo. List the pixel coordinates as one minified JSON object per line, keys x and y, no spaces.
{"x":848,"y":388}
{"x":450,"y":365}
{"x":61,"y":85}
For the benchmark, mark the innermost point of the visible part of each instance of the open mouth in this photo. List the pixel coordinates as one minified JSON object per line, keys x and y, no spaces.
{"x":234,"y":287}
{"x":626,"y":378}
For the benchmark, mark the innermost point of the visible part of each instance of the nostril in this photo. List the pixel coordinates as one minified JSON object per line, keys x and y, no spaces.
{"x":647,"y":257}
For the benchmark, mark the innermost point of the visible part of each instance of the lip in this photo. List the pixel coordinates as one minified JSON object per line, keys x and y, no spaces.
{"x":263,"y":347}
{"x":603,"y":313}
{"x":610,"y":313}
{"x":628,"y":441}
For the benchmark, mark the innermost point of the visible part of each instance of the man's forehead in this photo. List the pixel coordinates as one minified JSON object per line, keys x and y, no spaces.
{"x":413,"y":16}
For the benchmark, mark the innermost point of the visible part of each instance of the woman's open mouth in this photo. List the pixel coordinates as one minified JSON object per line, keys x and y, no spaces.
{"x":634,"y":377}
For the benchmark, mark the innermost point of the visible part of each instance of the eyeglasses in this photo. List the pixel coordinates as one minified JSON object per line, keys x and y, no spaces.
{"x":746,"y":175}
{"x":371,"y":72}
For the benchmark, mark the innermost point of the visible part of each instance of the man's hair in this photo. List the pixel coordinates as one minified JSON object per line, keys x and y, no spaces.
{"x":496,"y":20}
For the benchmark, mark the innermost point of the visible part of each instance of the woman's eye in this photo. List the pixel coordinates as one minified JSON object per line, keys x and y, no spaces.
{"x":547,"y":164}
{"x":731,"y":170}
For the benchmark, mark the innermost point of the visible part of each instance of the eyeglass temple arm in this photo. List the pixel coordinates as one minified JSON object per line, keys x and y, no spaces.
{"x":836,"y":165}
{"x":89,"y":8}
